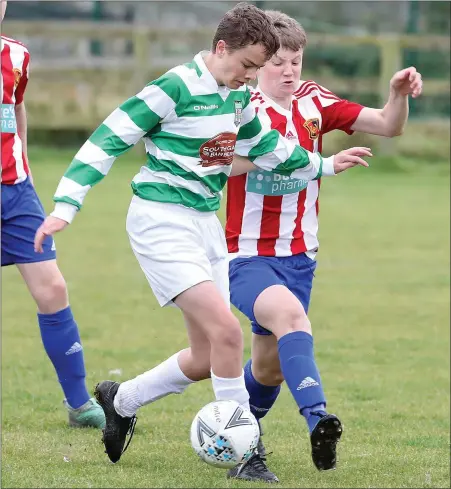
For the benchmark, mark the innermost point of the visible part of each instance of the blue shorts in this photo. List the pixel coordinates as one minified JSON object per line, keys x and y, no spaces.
{"x":249,"y":277}
{"x":22,"y":214}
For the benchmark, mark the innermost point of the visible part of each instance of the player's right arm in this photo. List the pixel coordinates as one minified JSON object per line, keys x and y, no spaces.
{"x":120,"y":131}
{"x":268,"y":150}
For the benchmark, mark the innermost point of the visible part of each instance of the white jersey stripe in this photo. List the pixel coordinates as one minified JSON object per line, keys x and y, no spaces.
{"x":252,"y":217}
{"x":308,"y":110}
{"x":17,"y":154}
{"x":287,"y":224}
{"x":309,"y":220}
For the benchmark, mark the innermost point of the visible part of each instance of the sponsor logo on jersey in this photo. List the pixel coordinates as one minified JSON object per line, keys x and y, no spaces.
{"x":218,"y":150}
{"x":312,"y":126}
{"x":266,"y":183}
{"x":8,"y":118}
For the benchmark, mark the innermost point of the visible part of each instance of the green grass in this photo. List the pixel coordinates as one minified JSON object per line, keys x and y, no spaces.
{"x":380,"y":312}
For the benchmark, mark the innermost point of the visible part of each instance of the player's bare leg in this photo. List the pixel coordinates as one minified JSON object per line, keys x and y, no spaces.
{"x":195,"y":360}
{"x":216,"y":348}
{"x":207,"y":310}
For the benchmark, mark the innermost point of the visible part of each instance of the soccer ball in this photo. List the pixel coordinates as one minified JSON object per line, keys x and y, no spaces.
{"x":224,"y":434}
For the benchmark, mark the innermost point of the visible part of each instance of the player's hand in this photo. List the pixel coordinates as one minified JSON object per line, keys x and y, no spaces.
{"x":50,"y":226}
{"x":350,"y":157}
{"x":407,"y":82}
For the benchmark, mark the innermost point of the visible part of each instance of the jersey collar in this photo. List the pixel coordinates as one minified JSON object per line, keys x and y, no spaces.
{"x":206,"y":76}
{"x":274,"y":104}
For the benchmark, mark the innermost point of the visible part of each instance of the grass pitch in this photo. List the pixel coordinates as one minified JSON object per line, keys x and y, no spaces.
{"x":380,"y":314}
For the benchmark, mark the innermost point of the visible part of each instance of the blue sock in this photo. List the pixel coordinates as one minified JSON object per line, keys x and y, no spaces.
{"x":311,"y":419}
{"x":261,"y":397}
{"x":59,"y":333}
{"x":299,"y":369}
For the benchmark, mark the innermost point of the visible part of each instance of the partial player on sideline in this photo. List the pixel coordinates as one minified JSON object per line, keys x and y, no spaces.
{"x":22,"y":214}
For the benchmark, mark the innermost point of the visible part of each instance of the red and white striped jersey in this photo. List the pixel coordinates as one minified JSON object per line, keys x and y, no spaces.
{"x":14,"y":77}
{"x":271,"y":215}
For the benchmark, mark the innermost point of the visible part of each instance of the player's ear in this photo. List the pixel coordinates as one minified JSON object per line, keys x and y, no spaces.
{"x":221,"y":48}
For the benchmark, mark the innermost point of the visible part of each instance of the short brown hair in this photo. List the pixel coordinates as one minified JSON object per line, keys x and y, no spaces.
{"x":245,"y":25}
{"x":291,"y":34}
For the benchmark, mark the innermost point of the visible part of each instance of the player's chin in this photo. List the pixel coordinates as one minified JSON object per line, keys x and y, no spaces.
{"x":236,"y":84}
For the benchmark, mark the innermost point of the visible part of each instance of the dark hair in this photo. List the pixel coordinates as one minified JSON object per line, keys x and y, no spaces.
{"x":291,"y":34}
{"x":245,"y":25}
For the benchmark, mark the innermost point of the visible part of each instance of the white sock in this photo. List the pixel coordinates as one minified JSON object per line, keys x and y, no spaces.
{"x":166,"y":378}
{"x":234,"y":389}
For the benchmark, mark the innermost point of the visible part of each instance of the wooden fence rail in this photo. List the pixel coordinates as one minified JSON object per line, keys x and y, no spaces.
{"x":75,"y":89}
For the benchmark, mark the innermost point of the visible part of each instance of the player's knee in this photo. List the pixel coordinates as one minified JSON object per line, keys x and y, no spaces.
{"x":292,"y":320}
{"x":229,"y":333}
{"x":52,"y":295}
{"x":302,"y":323}
{"x":57,"y":289}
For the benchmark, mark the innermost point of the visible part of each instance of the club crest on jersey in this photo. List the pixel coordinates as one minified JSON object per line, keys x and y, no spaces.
{"x":17,"y":76}
{"x":238,"y":112}
{"x":312,"y":126}
{"x":218,"y":150}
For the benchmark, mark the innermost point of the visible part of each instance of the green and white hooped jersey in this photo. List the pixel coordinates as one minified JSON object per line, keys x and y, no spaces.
{"x":191,"y":128}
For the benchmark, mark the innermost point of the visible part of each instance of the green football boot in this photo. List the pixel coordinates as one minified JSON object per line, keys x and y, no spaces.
{"x":90,"y":414}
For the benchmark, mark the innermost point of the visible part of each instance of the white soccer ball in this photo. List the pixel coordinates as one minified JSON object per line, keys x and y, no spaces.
{"x":224,"y":434}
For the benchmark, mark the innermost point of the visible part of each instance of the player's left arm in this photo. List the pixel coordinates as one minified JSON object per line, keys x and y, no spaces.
{"x":391,"y":120}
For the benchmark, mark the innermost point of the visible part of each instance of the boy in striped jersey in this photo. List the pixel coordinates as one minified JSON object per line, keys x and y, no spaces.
{"x":22,"y":214}
{"x":192,"y":120}
{"x":271,"y":234}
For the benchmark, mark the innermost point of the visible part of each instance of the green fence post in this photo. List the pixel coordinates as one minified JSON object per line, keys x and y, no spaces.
{"x":410,"y":55}
{"x":390,"y":62}
{"x":141,"y":50}
{"x":97,"y":14}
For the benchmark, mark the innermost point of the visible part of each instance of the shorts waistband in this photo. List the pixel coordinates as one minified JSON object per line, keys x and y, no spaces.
{"x":177,"y":209}
{"x":308,"y":253}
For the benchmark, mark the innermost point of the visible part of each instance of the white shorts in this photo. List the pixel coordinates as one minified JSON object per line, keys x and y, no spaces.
{"x":177,"y":248}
